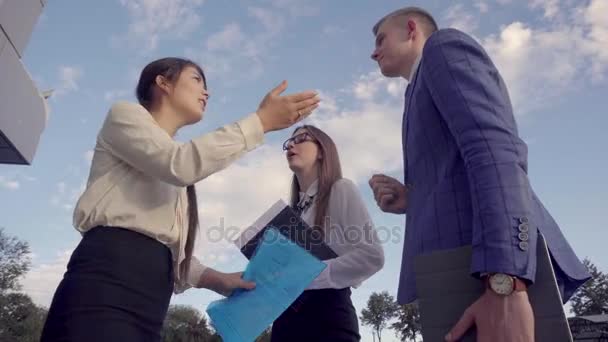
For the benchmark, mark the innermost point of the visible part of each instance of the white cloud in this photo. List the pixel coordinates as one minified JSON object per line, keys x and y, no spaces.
{"x":115,"y":94}
{"x":88,"y":156}
{"x":457,"y":17}
{"x":333,"y":30}
{"x":61,"y":188}
{"x":13,"y":185}
{"x":41,"y":281}
{"x":594,"y":17}
{"x":233,"y":53}
{"x":368,"y":139}
{"x":9,"y":184}
{"x":540,"y":64}
{"x":368,"y":86}
{"x":239,"y":51}
{"x":328,"y":104}
{"x":69,"y":77}
{"x":296,"y":8}
{"x":482,"y":6}
{"x":228,"y":38}
{"x":272,"y":21}
{"x":153,"y":20}
{"x":550,"y":7}
{"x":66,"y":196}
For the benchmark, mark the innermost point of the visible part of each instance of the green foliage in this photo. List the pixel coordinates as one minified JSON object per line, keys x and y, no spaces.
{"x":381,"y":308}
{"x":592,"y":297}
{"x":14,"y":262}
{"x":407,"y":325}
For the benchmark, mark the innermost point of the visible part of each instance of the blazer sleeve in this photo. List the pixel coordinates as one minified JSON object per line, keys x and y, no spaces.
{"x":473,"y":101}
{"x":131,"y":134}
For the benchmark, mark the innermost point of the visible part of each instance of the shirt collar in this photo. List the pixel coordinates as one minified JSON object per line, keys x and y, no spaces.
{"x":311,"y":191}
{"x":306,"y":198}
{"x":415,"y":68}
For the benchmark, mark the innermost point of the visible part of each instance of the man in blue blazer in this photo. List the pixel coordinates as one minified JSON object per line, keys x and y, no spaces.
{"x":465,"y":175}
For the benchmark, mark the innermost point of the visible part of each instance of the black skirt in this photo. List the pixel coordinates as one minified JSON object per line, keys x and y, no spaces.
{"x":318,"y":315}
{"x":117,"y":287}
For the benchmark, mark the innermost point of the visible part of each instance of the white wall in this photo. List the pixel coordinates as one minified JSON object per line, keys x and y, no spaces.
{"x":22,"y":109}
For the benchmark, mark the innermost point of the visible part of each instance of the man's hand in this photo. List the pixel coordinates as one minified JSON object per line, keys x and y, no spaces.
{"x":278,"y":112}
{"x":223,"y":283}
{"x":390,"y":194}
{"x":497,"y":319}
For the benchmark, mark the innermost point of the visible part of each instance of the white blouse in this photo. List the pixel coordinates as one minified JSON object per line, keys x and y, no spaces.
{"x":139,"y":175}
{"x":350,"y":233}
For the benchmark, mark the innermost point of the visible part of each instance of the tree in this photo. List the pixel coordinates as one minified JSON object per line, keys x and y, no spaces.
{"x":380,"y":309}
{"x":184,"y":323}
{"x":592,"y":297}
{"x":408,"y":322}
{"x":20,"y":319}
{"x":14,"y":262}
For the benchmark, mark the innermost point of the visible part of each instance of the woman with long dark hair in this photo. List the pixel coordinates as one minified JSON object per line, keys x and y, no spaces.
{"x":138,"y":213}
{"x":332,"y":205}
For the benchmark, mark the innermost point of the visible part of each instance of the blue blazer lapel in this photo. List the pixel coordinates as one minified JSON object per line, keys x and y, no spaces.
{"x":405,"y":134}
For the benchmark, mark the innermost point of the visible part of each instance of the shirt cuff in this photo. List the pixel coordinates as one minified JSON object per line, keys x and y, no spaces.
{"x":253,"y":131}
{"x":196,"y":271}
{"x":322,"y":281}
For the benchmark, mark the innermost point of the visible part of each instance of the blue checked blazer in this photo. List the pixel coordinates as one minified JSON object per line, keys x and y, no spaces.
{"x":467,"y":167}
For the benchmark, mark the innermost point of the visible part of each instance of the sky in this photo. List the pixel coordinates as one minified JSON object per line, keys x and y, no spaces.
{"x":553,"y":55}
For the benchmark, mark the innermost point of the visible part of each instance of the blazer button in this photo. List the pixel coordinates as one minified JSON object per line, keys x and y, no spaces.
{"x":523,"y":219}
{"x":523,"y":236}
{"x":524,"y":227}
{"x":523,"y":246}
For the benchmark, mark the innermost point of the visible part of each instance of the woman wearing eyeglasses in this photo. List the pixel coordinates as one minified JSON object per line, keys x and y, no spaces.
{"x":332,"y":205}
{"x":139,"y":213}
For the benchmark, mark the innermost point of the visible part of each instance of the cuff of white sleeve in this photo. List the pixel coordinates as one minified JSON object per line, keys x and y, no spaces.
{"x":196,"y":271}
{"x":322,"y":281}
{"x":253,"y":131}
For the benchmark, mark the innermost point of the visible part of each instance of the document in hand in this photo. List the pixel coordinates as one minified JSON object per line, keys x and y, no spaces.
{"x":281,"y":270}
{"x":283,"y":218}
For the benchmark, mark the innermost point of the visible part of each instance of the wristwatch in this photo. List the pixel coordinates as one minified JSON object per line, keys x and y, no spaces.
{"x":504,"y":284}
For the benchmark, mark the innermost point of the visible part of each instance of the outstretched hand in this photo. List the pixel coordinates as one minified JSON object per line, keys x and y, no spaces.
{"x":278,"y":111}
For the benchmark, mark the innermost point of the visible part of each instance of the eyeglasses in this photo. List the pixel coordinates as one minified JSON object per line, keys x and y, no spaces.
{"x":297,"y":139}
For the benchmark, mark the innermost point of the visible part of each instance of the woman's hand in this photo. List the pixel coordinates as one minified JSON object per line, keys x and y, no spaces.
{"x":223,"y":283}
{"x":277,"y":112}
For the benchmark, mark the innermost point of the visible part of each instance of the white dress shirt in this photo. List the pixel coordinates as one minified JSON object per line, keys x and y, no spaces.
{"x":350,"y":233}
{"x":139,"y":175}
{"x":415,"y":68}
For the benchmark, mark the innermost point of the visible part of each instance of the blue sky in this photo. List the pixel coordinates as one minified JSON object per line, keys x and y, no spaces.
{"x":553,"y":55}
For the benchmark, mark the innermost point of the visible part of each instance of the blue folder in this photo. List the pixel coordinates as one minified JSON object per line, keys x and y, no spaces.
{"x":281,"y":270}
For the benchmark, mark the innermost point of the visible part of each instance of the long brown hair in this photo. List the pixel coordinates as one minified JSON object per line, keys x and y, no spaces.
{"x":171,"y":68}
{"x":329,"y":172}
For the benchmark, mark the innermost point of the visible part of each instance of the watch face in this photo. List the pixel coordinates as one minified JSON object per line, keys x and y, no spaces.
{"x":502,"y":284}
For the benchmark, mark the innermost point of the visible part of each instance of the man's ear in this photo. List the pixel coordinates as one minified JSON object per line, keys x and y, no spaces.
{"x":412,"y":28}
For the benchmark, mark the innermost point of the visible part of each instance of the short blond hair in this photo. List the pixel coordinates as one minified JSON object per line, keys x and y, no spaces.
{"x":429,"y":25}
